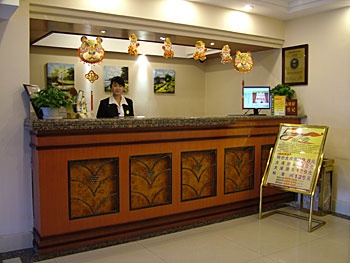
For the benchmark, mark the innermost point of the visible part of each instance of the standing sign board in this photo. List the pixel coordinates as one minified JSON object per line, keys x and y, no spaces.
{"x":296,"y":159}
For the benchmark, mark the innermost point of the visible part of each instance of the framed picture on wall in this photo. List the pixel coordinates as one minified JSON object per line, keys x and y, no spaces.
{"x":112,"y":71}
{"x":164,"y":81}
{"x":295,"y":65}
{"x":60,"y":75}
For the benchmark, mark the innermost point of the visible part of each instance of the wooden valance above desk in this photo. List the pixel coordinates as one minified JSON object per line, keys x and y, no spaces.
{"x":108,"y":180}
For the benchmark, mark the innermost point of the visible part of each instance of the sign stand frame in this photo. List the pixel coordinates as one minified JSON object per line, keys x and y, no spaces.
{"x":298,"y":152}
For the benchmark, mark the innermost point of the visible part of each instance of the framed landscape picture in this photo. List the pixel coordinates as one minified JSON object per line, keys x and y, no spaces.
{"x":164,"y":81}
{"x":60,"y":75}
{"x":113,"y":71}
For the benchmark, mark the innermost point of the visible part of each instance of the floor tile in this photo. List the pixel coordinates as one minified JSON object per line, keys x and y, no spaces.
{"x":273,"y":239}
{"x":320,"y":250}
{"x":12,"y":260}
{"x":130,"y":252}
{"x":201,"y":247}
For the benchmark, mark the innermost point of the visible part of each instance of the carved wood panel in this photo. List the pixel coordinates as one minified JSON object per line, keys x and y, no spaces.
{"x":93,"y":187}
{"x":239,"y":169}
{"x":150,"y":180}
{"x":198,"y":174}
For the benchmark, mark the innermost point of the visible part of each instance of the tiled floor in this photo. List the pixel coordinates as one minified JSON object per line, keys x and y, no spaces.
{"x":276,"y":238}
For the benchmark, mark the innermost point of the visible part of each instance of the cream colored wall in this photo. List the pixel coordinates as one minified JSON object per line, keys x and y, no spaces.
{"x":15,"y":178}
{"x":326,"y":97}
{"x":188,"y":99}
{"x":324,"y":100}
{"x":224,"y":84}
{"x":202,"y":89}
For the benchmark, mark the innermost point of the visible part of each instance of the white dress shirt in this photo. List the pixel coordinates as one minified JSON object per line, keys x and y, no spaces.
{"x":120,"y":107}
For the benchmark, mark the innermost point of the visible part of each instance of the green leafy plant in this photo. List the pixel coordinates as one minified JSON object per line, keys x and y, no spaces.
{"x":52,"y":97}
{"x":283,"y":90}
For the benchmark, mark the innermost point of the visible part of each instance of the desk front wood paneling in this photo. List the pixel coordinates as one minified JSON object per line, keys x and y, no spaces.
{"x":96,"y":184}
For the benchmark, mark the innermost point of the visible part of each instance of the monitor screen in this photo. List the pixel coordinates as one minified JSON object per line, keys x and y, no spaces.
{"x":256,"y":97}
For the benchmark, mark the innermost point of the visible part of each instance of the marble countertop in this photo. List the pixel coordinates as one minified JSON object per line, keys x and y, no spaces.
{"x":139,"y":122}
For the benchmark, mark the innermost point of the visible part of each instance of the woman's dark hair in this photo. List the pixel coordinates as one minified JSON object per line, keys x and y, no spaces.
{"x":118,"y":80}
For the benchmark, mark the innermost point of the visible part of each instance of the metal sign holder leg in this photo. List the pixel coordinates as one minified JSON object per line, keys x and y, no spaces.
{"x":311,"y":228}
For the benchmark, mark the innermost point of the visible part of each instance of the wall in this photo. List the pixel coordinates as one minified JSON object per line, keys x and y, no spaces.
{"x":188,"y":99}
{"x":326,"y":97}
{"x":324,"y":100}
{"x":15,"y":182}
{"x":202,"y":89}
{"x":224,"y":84}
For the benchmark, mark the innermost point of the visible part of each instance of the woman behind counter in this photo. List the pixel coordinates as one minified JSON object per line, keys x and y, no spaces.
{"x":116,"y":105}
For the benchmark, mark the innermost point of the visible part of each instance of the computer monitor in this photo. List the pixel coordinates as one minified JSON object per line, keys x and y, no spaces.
{"x":256,"y":98}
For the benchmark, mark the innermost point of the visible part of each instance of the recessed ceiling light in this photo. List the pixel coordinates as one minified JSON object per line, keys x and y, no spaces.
{"x":248,"y":7}
{"x":103,"y":31}
{"x":162,"y":38}
{"x":212,"y":43}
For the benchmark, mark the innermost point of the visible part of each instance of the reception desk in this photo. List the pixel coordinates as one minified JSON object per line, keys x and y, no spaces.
{"x":111,"y":180}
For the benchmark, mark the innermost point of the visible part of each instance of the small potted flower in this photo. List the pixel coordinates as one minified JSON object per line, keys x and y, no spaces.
{"x":50,"y":100}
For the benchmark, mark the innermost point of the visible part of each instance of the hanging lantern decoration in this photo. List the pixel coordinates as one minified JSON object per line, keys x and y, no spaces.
{"x":91,"y":50}
{"x":226,"y":55}
{"x":132,"y":49}
{"x":243,"y":62}
{"x":91,"y":76}
{"x":167,"y":47}
{"x":199,"y":54}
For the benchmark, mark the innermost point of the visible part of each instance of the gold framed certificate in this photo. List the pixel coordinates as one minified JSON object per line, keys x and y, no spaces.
{"x":295,"y":65}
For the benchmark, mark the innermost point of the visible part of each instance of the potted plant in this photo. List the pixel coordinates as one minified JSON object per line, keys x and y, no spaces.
{"x":291,"y":103}
{"x":283,"y":90}
{"x":50,"y":100}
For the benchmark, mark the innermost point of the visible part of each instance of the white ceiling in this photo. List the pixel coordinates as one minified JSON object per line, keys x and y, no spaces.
{"x":280,"y":9}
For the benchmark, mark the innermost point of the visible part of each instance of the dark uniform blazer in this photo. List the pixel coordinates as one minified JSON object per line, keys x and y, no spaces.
{"x":106,"y":110}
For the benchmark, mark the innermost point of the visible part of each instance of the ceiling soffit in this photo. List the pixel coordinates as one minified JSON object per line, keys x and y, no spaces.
{"x":47,"y":20}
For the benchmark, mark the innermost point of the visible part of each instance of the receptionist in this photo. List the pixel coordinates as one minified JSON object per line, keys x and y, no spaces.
{"x":116,"y":105}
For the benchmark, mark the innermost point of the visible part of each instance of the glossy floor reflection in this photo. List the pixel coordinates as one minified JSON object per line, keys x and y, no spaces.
{"x":277,"y":238}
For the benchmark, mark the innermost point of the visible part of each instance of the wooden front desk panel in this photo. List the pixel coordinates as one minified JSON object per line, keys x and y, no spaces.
{"x":112,"y":184}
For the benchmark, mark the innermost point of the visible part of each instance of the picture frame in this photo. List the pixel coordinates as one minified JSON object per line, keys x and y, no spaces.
{"x":112,"y":71}
{"x":31,"y":89}
{"x":295,"y":61}
{"x":164,"y":81}
{"x":60,"y":75}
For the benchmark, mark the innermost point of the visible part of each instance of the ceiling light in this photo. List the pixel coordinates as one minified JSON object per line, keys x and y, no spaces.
{"x":212,"y":43}
{"x":103,"y":31}
{"x":248,"y":7}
